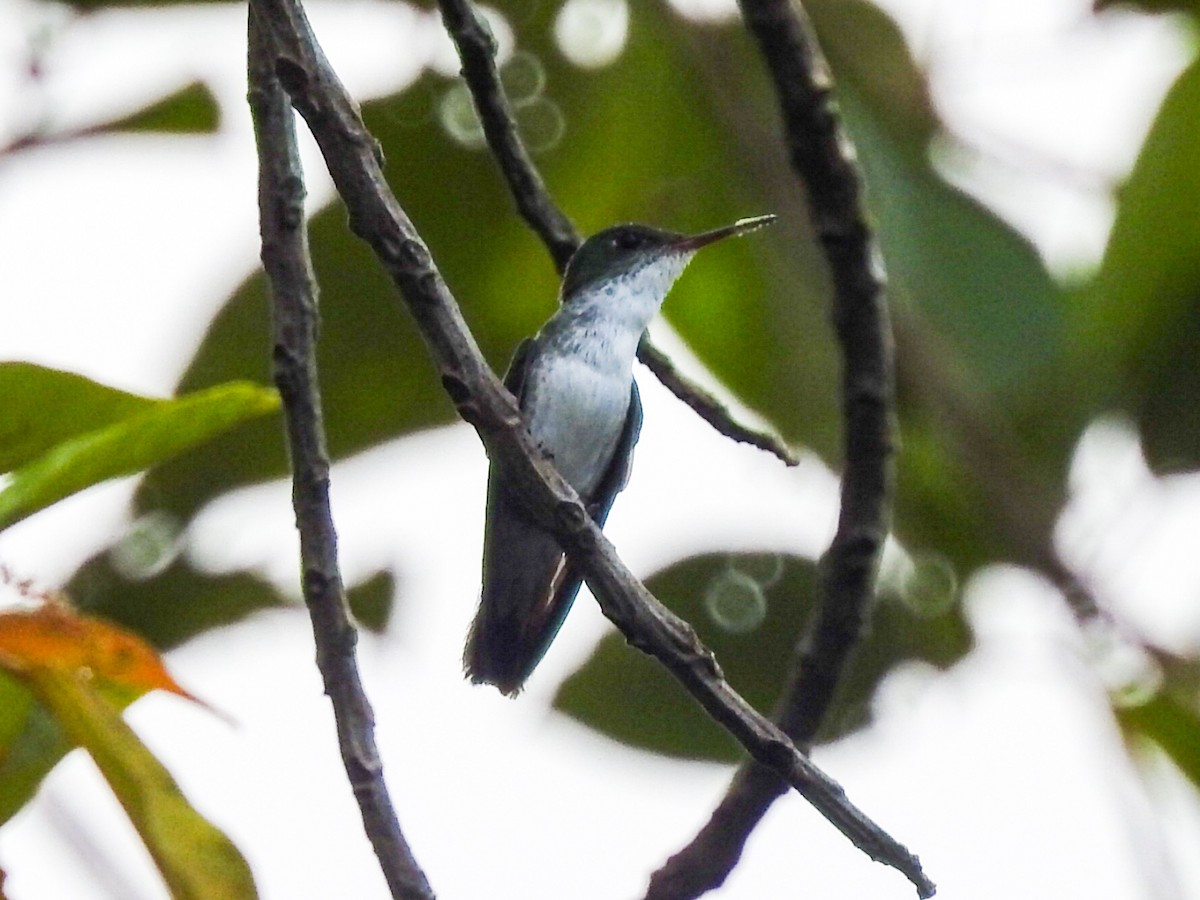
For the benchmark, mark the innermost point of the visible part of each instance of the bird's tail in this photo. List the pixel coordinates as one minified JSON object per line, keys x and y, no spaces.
{"x":528,"y":588}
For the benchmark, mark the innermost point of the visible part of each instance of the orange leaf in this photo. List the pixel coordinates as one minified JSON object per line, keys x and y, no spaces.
{"x":54,"y":637}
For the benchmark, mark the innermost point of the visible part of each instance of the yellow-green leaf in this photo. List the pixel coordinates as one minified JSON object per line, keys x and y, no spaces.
{"x":43,"y":407}
{"x":30,"y":745}
{"x":196,"y":860}
{"x":54,"y":639}
{"x":128,"y":445}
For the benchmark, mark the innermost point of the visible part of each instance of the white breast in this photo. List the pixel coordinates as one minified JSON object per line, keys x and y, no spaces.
{"x":578,"y":418}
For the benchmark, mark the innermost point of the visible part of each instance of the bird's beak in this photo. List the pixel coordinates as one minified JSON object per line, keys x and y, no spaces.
{"x":692,"y":243}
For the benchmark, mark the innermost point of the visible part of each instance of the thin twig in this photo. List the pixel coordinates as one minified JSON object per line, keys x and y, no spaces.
{"x":477,"y":50}
{"x":375,"y":215}
{"x":708,"y":407}
{"x":821,"y":156}
{"x":288,"y":266}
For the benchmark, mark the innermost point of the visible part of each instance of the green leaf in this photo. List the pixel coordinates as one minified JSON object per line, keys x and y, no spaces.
{"x":1138,"y":330}
{"x":371,"y":601}
{"x":195,"y":859}
{"x":31,"y":744}
{"x":1191,"y":7}
{"x":978,"y":283}
{"x":44,"y":407}
{"x":173,"y":605}
{"x":750,"y":610}
{"x":1172,"y":725}
{"x":981,"y":329}
{"x":128,"y":445}
{"x":190,"y":110}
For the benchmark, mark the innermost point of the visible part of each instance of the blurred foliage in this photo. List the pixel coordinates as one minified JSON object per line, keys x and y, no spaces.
{"x":170,"y":605}
{"x":61,"y":433}
{"x":372,"y":600}
{"x":752,"y":624}
{"x":68,"y":663}
{"x":1191,"y":7}
{"x":31,"y":744}
{"x":196,"y":860}
{"x":1139,"y":320}
{"x":979,"y":323}
{"x":190,"y":110}
{"x":1164,"y":709}
{"x":950,"y":261}
{"x":65,"y":680}
{"x":81,"y":406}
{"x":999,"y":368}
{"x":1174,"y":726}
{"x":51,"y":637}
{"x":70,"y":433}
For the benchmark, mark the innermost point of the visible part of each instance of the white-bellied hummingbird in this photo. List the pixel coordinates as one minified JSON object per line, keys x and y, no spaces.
{"x":574,"y":382}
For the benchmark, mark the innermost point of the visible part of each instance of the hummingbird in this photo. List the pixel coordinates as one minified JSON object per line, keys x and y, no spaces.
{"x":577,"y":394}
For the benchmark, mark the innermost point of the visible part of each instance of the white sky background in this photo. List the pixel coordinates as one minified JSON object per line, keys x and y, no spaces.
{"x":1005,"y":773}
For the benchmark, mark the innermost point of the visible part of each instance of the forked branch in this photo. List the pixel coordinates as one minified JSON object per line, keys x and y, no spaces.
{"x":352,"y":157}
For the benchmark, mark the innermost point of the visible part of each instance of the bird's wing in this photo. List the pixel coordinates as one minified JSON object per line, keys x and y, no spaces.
{"x":567,"y":580}
{"x":528,"y":585}
{"x":520,"y":561}
{"x":514,"y":378}
{"x":621,"y":464}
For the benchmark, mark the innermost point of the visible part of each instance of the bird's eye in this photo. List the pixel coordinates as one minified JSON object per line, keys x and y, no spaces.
{"x":628,"y":240}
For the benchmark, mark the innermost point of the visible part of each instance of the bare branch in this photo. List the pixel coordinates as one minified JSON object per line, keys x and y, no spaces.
{"x":294,"y":314}
{"x":708,"y":407}
{"x":477,"y":49}
{"x":822,"y":156}
{"x":376,"y":216}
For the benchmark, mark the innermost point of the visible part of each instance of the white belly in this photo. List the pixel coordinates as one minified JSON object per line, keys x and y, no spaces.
{"x":579,"y":421}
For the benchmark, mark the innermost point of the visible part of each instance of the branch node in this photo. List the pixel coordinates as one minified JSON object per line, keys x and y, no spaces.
{"x":315,"y":582}
{"x":389,"y":242}
{"x":706,"y":660}
{"x":292,"y":75}
{"x":415,"y":254}
{"x":779,"y":755}
{"x":428,"y":284}
{"x":463,"y":399}
{"x":291,"y":212}
{"x":458,"y":390}
{"x":572,"y":518}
